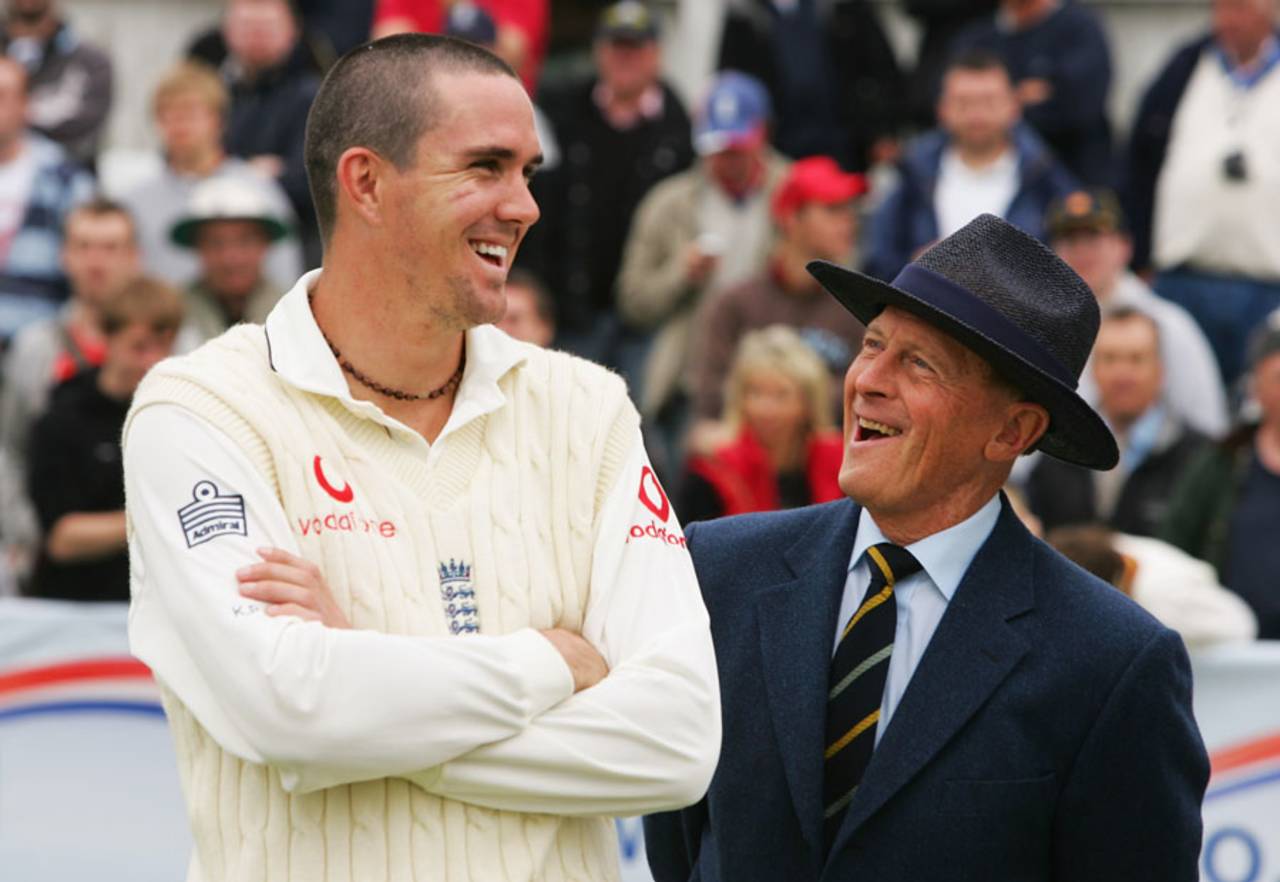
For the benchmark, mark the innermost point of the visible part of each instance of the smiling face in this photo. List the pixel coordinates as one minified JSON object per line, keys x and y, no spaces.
{"x":456,"y":216}
{"x":930,"y":433}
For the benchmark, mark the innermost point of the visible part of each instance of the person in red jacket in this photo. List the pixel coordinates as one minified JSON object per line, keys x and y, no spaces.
{"x":776,"y":446}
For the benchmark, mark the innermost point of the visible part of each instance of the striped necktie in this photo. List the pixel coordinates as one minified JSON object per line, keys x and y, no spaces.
{"x":858,"y":673}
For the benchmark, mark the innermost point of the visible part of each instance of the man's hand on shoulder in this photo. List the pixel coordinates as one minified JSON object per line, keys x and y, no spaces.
{"x":291,"y":586}
{"x":586,"y":664}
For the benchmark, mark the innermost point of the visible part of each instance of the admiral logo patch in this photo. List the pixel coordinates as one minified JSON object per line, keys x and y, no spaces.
{"x":211,"y":514}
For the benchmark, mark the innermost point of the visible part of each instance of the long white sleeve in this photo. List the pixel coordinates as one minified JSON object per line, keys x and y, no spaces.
{"x":647,"y":737}
{"x":324,"y":706}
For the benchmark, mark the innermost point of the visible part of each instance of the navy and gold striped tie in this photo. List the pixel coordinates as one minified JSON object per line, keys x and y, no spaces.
{"x":858,"y":673}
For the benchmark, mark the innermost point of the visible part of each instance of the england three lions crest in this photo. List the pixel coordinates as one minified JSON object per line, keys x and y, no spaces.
{"x":459,"y":597}
{"x":211,"y":514}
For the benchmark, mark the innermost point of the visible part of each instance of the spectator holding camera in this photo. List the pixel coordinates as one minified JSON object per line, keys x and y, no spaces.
{"x":1204,"y":177}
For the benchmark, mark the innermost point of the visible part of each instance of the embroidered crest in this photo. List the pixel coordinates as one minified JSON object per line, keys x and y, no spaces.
{"x":211,"y":514}
{"x":459,"y":597}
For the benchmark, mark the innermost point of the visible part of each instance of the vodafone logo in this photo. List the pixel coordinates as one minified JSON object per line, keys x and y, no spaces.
{"x":651,"y":494}
{"x":346,"y":494}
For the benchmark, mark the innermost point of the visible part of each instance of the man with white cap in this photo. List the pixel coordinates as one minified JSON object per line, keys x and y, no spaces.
{"x":230,"y":226}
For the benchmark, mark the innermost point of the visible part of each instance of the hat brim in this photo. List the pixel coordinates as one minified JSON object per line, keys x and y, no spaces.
{"x":1076,"y":433}
{"x":184,"y":232}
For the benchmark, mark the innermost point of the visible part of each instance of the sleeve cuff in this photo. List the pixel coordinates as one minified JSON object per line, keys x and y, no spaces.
{"x":546,"y":674}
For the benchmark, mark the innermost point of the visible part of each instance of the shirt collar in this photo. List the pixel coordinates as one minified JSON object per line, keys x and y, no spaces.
{"x":301,"y":357}
{"x":944,"y":556}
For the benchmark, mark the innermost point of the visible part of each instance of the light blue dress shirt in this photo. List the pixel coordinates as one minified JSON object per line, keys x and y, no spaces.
{"x":921,"y":599}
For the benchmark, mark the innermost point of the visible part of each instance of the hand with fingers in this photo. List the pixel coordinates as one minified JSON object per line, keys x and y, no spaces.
{"x":290,"y":586}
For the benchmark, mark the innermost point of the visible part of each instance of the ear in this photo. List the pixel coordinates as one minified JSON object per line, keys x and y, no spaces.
{"x":1024,"y":424}
{"x":360,"y":175}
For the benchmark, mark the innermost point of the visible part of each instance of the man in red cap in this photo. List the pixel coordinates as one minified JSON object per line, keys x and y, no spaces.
{"x":816,"y":219}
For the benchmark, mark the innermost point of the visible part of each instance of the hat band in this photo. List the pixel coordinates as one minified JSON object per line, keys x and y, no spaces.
{"x":964,"y":306}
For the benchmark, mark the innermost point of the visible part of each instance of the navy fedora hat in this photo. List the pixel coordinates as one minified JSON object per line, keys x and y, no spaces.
{"x":1014,"y":303}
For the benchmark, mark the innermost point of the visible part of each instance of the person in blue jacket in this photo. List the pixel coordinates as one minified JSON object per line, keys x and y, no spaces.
{"x":981,"y":158}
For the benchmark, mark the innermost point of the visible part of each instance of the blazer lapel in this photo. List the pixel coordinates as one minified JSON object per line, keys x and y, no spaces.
{"x":797,"y":622}
{"x":971,"y":653}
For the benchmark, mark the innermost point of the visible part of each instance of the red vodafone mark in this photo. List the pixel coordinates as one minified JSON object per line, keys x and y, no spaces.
{"x":346,"y":494}
{"x":652,"y":495}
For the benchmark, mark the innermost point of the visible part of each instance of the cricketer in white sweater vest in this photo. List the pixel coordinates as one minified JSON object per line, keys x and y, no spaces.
{"x":440,"y":737}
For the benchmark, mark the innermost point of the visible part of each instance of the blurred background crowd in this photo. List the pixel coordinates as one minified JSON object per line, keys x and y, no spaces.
{"x":699,"y":153}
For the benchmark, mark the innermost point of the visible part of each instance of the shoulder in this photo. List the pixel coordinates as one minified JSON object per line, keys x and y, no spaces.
{"x":924,"y":153}
{"x":559,"y":378}
{"x":725,"y":548}
{"x":672,"y":191}
{"x":226,"y":364}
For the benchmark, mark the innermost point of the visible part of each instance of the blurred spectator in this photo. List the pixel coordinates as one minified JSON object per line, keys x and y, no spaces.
{"x":619,"y":133}
{"x":778,"y":447}
{"x":75,"y":475}
{"x":69,"y":80}
{"x":697,"y":233}
{"x":341,"y":24}
{"x":100,"y":254}
{"x":470,"y":22}
{"x":980,"y":160}
{"x":530,"y":314}
{"x":940,"y":21}
{"x":1204,"y":176}
{"x":1155,"y":446}
{"x":1226,"y":508}
{"x":230,"y":227}
{"x":522,"y":33}
{"x":271,"y":90}
{"x":1180,"y":591}
{"x":39,"y":185}
{"x":815,"y":214}
{"x":1087,"y":229}
{"x":190,"y":104}
{"x":831,"y":73}
{"x":1057,"y":56}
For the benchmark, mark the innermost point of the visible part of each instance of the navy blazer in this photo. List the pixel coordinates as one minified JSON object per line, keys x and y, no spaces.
{"x":1046,"y":734}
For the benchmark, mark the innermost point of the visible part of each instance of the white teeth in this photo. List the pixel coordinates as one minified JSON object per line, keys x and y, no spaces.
{"x":878,"y":427}
{"x":498,"y":251}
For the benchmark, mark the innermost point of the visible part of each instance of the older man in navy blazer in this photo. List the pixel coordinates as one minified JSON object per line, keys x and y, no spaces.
{"x":914,"y":688}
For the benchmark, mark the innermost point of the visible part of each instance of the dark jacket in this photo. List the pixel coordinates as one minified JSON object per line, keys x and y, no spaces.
{"x":268,"y":116}
{"x":1198,"y":519}
{"x":866,"y":97}
{"x":74,"y":465}
{"x":1046,"y":734}
{"x":906,"y":221}
{"x":1069,"y":50}
{"x":70,"y":92}
{"x":1149,"y":142}
{"x":1062,"y":494}
{"x":589,"y":199}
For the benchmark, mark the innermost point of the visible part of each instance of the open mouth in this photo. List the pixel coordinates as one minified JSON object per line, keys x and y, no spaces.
{"x":873,"y":430}
{"x":491,"y":253}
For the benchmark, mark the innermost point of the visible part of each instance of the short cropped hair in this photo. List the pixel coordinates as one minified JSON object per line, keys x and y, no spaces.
{"x":192,"y":78}
{"x":1130,"y":313}
{"x":781,"y":351}
{"x":380,"y":96}
{"x":977,"y":61}
{"x":100,"y":206}
{"x":146,"y":300}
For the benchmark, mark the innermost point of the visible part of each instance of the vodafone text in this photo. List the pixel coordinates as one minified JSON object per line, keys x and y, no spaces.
{"x":654,"y":530}
{"x":348,"y":522}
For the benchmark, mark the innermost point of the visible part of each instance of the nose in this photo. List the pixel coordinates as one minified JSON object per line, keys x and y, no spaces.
{"x":872,"y":377}
{"x":519,"y":205}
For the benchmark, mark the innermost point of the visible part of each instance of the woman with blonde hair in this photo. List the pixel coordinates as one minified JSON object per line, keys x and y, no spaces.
{"x":777,"y":446}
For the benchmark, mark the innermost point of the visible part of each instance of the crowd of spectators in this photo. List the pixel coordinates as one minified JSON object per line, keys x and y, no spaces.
{"x":673,"y":247}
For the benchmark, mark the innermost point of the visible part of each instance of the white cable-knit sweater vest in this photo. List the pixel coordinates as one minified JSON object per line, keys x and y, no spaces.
{"x":514,"y":495}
